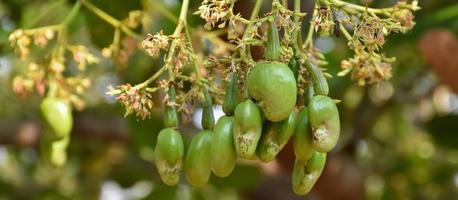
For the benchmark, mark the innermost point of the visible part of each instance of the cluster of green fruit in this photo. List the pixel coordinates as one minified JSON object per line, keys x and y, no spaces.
{"x":252,"y":130}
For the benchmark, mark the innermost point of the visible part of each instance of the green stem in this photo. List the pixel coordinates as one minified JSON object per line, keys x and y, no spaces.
{"x":52,"y":91}
{"x":43,"y":28}
{"x":151,"y":90}
{"x":167,"y":66}
{"x":184,"y":10}
{"x":245,"y":54}
{"x":110,"y":20}
{"x":352,"y":7}
{"x":256,"y":9}
{"x":345,"y":32}
{"x":72,"y":14}
{"x":179,"y":28}
{"x":196,"y":61}
{"x":309,"y":40}
{"x":62,"y":31}
{"x":317,"y":76}
{"x":100,"y":13}
{"x":245,"y":89}
{"x":116,"y":42}
{"x":297,"y":8}
{"x":151,"y":79}
{"x":130,"y":33}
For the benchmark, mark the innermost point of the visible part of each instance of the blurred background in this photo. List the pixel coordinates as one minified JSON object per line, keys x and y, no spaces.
{"x":399,"y":138}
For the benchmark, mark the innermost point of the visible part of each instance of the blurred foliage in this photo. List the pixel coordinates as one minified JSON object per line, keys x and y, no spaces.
{"x":402,"y":135}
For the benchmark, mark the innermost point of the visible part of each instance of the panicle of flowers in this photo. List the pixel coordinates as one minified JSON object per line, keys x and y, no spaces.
{"x":33,"y":78}
{"x":39,"y":75}
{"x":324,"y":21}
{"x":367,"y":68}
{"x":370,"y":27}
{"x":165,"y":85}
{"x":234,"y":28}
{"x":78,"y":84}
{"x":82,"y":56}
{"x":180,"y":55}
{"x":369,"y":32}
{"x":135,"y":100}
{"x":57,"y":65}
{"x":283,"y":18}
{"x":21,"y":39}
{"x":402,"y":13}
{"x":21,"y":42}
{"x":216,"y":65}
{"x":42,"y":38}
{"x":72,"y":88}
{"x":187,"y":101}
{"x":154,"y":43}
{"x":215,"y":12}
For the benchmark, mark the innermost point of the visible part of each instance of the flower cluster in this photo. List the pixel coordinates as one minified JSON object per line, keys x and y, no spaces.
{"x":179,"y":53}
{"x":369,"y":34}
{"x":39,"y":76}
{"x":154,"y":43}
{"x":134,"y":99}
{"x":215,"y":12}
{"x":57,"y":65}
{"x":324,"y":21}
{"x":367,"y":68}
{"x":187,"y":101}
{"x":284,"y":20}
{"x":370,"y":28}
{"x":82,"y":56}
{"x":34,"y":77}
{"x":402,"y":13}
{"x":22,"y":39}
{"x":234,"y":28}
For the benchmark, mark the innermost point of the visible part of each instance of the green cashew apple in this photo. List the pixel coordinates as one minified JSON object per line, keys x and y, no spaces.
{"x":306,"y":173}
{"x":325,"y":123}
{"x":273,"y":85}
{"x":198,"y":161}
{"x":58,"y":114}
{"x":274,"y":137}
{"x":222,"y":148}
{"x":303,"y":142}
{"x":247,"y":128}
{"x":168,"y":154}
{"x":55,"y":151}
